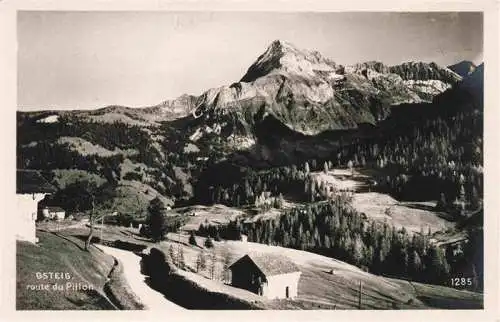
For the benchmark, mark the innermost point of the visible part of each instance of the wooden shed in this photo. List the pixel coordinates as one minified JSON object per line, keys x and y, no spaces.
{"x":269,"y":275}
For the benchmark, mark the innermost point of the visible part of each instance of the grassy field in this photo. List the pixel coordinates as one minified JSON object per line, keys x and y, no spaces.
{"x":382,"y":207}
{"x":220,"y":214}
{"x":217,"y":214}
{"x":326,"y":283}
{"x":414,"y":217}
{"x":62,"y":255}
{"x":436,"y":296}
{"x":318,"y":287}
{"x":377,"y":206}
{"x":341,"y":179}
{"x":85,"y":147}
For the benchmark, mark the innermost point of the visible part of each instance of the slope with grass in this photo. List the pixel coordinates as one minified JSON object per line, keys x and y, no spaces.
{"x":325,"y":283}
{"x":413,"y":216}
{"x":213,"y":215}
{"x":61,"y":254}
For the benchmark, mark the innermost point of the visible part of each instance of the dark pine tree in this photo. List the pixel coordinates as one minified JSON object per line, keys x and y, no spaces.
{"x":156,"y":220}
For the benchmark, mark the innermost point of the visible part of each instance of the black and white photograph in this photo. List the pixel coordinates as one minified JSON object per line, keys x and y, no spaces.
{"x":249,"y":160}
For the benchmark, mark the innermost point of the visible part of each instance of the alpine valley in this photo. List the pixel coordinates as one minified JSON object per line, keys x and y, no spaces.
{"x":398,"y":148}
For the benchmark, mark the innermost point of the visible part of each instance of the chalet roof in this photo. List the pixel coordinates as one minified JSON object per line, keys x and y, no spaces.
{"x":55,"y":209}
{"x":31,"y":181}
{"x":270,"y":264}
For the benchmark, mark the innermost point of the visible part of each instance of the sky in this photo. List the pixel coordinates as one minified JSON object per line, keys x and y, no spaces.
{"x":88,"y":60}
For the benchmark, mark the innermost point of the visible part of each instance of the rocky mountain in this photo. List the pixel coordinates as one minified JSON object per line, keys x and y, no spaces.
{"x":474,"y":81}
{"x":463,"y":68}
{"x":467,"y":93}
{"x":309,"y":93}
{"x":302,"y":89}
{"x":419,"y":71}
{"x":287,"y":93}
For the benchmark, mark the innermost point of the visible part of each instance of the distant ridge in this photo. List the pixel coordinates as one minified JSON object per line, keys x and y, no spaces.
{"x":463,"y":68}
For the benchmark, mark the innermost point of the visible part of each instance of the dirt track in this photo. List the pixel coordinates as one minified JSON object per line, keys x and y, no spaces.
{"x":152,"y":299}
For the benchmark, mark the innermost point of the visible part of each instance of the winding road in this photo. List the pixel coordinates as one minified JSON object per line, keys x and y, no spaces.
{"x":151,"y":299}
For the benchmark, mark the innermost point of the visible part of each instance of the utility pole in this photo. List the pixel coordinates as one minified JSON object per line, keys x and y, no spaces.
{"x":102,"y":228}
{"x":359,"y":296}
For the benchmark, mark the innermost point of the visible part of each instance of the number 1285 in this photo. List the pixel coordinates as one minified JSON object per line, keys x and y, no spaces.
{"x":461,"y":281}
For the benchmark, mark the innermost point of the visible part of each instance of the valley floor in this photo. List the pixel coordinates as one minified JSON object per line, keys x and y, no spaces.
{"x":326,"y":283}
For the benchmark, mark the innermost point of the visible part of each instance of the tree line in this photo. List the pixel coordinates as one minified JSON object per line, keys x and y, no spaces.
{"x":333,"y":228}
{"x":442,"y":154}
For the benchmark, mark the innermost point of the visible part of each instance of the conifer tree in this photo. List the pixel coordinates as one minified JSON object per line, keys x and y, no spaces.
{"x":156,"y":220}
{"x":192,"y":239}
{"x":182,"y":263}
{"x":209,"y":242}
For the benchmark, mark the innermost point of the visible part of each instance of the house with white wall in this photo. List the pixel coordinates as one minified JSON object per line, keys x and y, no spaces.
{"x":53,"y":212}
{"x":31,"y":188}
{"x":269,"y":275}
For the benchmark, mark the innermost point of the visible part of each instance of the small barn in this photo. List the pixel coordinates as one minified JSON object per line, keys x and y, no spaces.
{"x":56,"y":213}
{"x":269,"y":275}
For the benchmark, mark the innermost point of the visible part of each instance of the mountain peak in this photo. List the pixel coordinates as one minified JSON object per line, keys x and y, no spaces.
{"x":463,"y":68}
{"x":282,"y":46}
{"x":283,"y":57}
{"x":425,"y":71}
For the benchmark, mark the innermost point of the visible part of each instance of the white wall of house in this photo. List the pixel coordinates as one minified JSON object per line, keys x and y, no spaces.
{"x":45,"y":212}
{"x":58,"y":215}
{"x":48,"y":214}
{"x":277,"y":284}
{"x":27,"y":206}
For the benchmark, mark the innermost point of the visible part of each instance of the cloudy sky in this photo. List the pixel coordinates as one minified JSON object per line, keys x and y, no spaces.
{"x":87,"y":60}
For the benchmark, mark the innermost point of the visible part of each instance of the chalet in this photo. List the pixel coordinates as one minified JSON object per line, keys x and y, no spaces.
{"x":31,"y":188}
{"x":269,"y":275}
{"x":52,"y":212}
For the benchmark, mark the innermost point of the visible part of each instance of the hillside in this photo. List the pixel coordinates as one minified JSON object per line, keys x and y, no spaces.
{"x":325,"y":283}
{"x":287,"y":95}
{"x":57,"y":254}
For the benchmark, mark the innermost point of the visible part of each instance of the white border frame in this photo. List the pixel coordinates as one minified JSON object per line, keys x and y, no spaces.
{"x":8,"y":107}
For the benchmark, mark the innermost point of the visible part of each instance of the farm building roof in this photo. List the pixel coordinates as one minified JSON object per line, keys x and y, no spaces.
{"x":31,"y":181}
{"x":55,"y":209}
{"x":270,"y":264}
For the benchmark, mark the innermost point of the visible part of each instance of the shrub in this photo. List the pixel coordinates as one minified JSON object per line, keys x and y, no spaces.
{"x":209,"y":243}
{"x":217,"y":236}
{"x":192,"y":239}
{"x":132,"y":176}
{"x":143,"y":231}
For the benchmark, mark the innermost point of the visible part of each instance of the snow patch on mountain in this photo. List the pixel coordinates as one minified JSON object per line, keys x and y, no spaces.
{"x":239,"y":142}
{"x":204,"y":130}
{"x":431,"y":87}
{"x":49,"y":119}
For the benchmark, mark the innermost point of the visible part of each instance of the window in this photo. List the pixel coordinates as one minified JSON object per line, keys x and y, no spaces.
{"x":287,"y":292}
